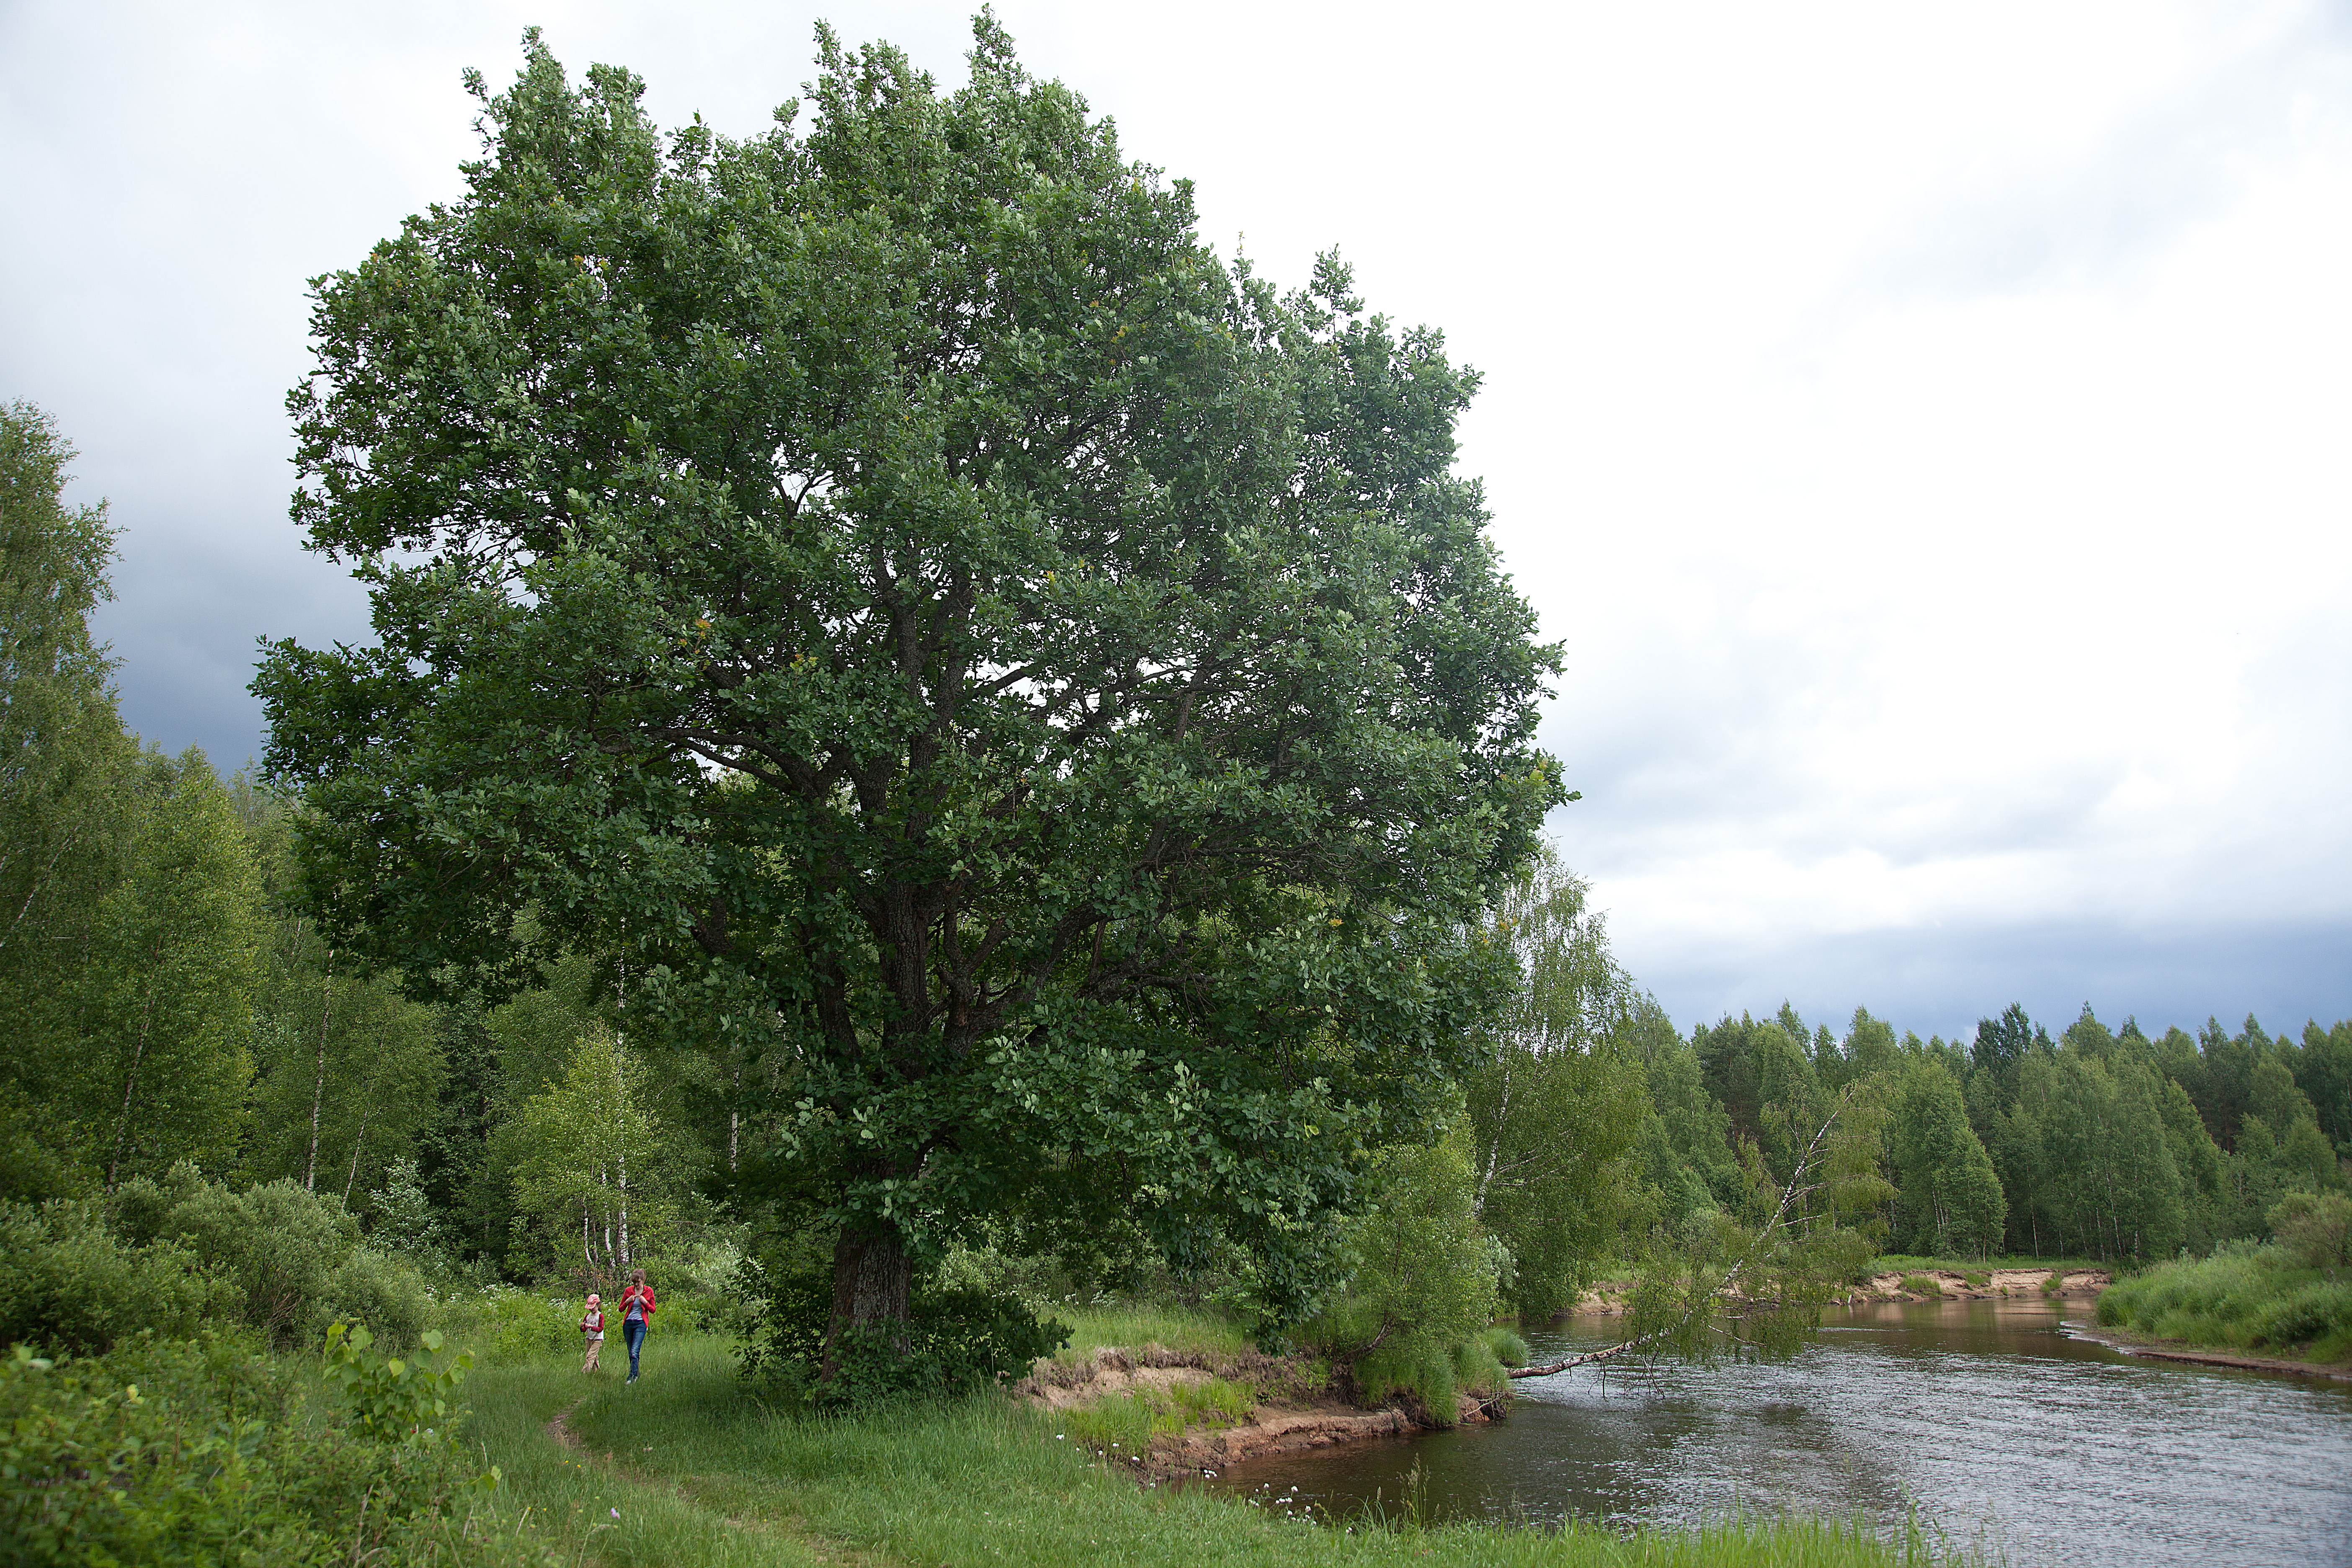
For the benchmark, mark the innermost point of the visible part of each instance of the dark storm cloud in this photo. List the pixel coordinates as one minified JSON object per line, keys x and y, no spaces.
{"x":1940,"y":980}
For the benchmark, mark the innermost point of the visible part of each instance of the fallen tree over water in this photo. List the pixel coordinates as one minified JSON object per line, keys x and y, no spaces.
{"x":1769,"y":1301}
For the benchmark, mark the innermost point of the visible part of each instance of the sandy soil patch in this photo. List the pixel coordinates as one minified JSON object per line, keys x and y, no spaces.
{"x":1608,"y":1299}
{"x":1289,"y":1415}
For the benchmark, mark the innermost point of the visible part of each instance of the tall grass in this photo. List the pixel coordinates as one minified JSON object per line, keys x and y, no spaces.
{"x":1110,"y":1325}
{"x":2241,"y":1298}
{"x":698,"y":1473}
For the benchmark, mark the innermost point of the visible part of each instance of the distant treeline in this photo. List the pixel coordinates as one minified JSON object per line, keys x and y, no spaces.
{"x":2100,"y":1142}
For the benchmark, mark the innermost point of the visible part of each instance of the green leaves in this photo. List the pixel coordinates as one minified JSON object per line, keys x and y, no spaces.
{"x":1555,"y":1102}
{"x":959,"y":642}
{"x":392,"y":1398}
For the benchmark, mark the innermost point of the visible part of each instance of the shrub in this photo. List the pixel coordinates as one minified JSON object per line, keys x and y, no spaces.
{"x":171,"y":1453}
{"x":957,"y":1342}
{"x":76,"y":1287}
{"x":279,"y":1244}
{"x":2315,"y":1229}
{"x":395,"y":1399}
{"x":292,"y":1258}
{"x":522,"y":1324}
{"x":384,"y":1293}
{"x":2247,"y":1296}
{"x":2317,"y":1310}
{"x":404,"y":1223}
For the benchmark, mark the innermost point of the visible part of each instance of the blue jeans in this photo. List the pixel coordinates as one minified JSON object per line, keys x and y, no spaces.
{"x":634,"y":1331}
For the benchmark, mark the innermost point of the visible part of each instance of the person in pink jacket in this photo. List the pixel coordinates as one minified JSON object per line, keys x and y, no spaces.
{"x":636,"y":1316}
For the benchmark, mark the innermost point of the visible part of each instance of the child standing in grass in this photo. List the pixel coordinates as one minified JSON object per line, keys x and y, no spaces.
{"x":636,"y":1316}
{"x":593,"y":1325}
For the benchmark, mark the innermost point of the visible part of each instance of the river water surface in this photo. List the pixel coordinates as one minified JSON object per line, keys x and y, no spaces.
{"x":2004,"y":1433}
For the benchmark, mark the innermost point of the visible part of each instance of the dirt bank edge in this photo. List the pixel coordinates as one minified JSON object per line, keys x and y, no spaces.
{"x":1292,"y":1413}
{"x":1608,"y":1299}
{"x":2154,"y":1349}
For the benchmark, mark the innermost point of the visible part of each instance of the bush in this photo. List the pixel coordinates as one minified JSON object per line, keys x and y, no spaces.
{"x":395,"y":1399}
{"x":384,"y":1293}
{"x":2319,"y":1310}
{"x":522,"y":1324}
{"x":1508,"y":1347}
{"x":76,"y":1287}
{"x":282,"y":1245}
{"x":957,"y":1342}
{"x":2315,"y":1229}
{"x":171,"y":1453}
{"x":292,"y":1258}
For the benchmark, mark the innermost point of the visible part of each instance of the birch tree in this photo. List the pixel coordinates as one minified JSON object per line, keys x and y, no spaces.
{"x":1555,"y":1102}
{"x":597,"y":1171}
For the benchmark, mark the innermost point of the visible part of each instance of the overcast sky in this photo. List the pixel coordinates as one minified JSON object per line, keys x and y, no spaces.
{"x":1929,"y":431}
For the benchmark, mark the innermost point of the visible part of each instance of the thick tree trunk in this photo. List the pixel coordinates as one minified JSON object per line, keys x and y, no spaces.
{"x":872,"y":1278}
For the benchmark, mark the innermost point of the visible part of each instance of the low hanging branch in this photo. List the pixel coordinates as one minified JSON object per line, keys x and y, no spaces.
{"x":1795,"y":1189}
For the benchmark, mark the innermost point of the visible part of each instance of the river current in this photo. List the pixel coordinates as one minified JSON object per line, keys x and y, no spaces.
{"x":2002,"y":1432}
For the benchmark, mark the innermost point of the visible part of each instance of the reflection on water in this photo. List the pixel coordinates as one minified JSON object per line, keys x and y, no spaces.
{"x":1982,"y":1414}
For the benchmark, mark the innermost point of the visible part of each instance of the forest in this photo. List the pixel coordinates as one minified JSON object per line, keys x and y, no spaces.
{"x":179,"y":1008}
{"x":934,"y":754}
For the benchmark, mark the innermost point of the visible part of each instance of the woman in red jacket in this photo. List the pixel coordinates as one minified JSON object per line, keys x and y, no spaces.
{"x":636,"y":1316}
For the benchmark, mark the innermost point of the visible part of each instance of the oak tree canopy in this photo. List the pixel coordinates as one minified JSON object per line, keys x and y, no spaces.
{"x":1034,"y":698}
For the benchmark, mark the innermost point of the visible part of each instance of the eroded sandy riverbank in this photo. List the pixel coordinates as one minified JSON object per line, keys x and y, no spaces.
{"x":1608,"y":1299}
{"x":1291,"y":1412}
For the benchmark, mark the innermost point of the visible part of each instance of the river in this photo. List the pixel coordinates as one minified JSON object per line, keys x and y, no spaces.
{"x":2004,"y":1432}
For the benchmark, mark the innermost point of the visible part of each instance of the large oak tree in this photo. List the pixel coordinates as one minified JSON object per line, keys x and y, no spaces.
{"x":1041,"y":698}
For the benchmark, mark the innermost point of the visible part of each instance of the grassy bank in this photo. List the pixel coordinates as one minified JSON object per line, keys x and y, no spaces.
{"x":682,"y":1468}
{"x":2257,"y":1298}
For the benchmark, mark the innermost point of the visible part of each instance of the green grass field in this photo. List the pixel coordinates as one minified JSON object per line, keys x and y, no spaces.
{"x":682,"y":1468}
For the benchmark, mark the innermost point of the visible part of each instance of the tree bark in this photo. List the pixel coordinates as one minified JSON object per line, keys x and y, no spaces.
{"x":872,"y":1278}
{"x":318,"y":1086}
{"x":137,"y":1053}
{"x":623,"y":1188}
{"x":358,"y":1143}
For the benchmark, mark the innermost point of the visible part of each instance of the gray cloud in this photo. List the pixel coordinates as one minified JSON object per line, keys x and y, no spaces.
{"x":1941,"y":980}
